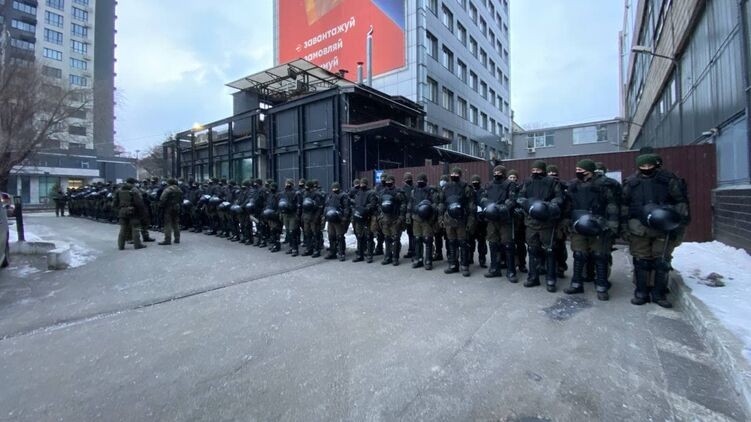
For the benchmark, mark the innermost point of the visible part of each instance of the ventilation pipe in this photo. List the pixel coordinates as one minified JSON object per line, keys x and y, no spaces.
{"x":369,"y":54}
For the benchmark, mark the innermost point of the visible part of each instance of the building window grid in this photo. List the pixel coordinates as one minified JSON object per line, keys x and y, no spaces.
{"x":473,"y":12}
{"x":24,"y":7}
{"x":461,"y":33}
{"x":56,"y":4}
{"x":461,"y":70}
{"x":52,"y":72}
{"x":23,"y":26}
{"x":78,"y":64}
{"x":473,"y":80}
{"x":79,"y":47}
{"x":484,"y":89}
{"x":52,"y":54}
{"x":78,"y":80}
{"x":540,"y":140}
{"x":51,"y":18}
{"x":473,"y":46}
{"x":53,"y":36}
{"x":432,"y":91}
{"x":461,"y":105}
{"x":22,"y":44}
{"x":79,"y":30}
{"x":447,"y":58}
{"x":447,"y":18}
{"x":473,"y":114}
{"x":80,"y":14}
{"x":81,"y":2}
{"x":432,"y":45}
{"x":433,"y":6}
{"x":447,"y":99}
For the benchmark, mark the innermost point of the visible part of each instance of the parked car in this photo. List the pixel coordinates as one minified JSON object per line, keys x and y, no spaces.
{"x":7,"y":201}
{"x":4,"y":237}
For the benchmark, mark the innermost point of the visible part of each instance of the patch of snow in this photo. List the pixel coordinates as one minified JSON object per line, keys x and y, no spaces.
{"x":81,"y":256}
{"x":22,"y":271}
{"x":700,"y":264}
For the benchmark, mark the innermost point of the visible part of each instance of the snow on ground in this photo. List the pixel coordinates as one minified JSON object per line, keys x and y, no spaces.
{"x":79,"y":255}
{"x":704,"y":265}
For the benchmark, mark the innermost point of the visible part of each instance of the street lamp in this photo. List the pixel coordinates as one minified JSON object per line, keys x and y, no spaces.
{"x":648,"y":50}
{"x":138,"y":176}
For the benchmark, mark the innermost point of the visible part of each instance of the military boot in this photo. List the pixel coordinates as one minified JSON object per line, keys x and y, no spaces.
{"x":295,"y":244}
{"x":360,"y":253}
{"x":417,"y":260}
{"x":438,"y":254}
{"x":369,"y":253}
{"x":428,"y":253}
{"x":452,"y":257}
{"x":410,"y":248}
{"x":577,"y":278}
{"x":550,"y":275}
{"x":332,"y":248}
{"x":509,"y":252}
{"x":464,"y":258}
{"x":533,"y":277}
{"x":396,"y":246}
{"x":495,"y":253}
{"x":342,"y":255}
{"x":642,"y":270}
{"x":659,"y":291}
{"x":379,"y":245}
{"x":601,"y":276}
{"x":387,"y":251}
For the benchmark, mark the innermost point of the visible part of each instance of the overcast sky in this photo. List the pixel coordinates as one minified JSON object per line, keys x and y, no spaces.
{"x":174,"y":58}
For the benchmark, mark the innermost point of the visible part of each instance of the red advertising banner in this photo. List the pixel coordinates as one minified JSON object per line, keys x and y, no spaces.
{"x":332,"y":33}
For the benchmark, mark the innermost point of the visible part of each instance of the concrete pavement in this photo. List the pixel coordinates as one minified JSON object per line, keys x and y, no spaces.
{"x":213,"y":330}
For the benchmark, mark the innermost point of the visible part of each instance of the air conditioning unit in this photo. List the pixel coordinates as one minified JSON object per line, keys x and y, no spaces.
{"x":531,"y":150}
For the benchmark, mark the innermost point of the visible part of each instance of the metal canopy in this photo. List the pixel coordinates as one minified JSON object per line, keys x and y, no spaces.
{"x":397,"y":132}
{"x":294,"y":79}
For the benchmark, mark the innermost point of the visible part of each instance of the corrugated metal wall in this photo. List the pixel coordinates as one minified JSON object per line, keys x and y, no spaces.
{"x":695,"y":163}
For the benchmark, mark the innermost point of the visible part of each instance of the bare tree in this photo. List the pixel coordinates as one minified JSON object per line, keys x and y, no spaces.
{"x":153,"y":163}
{"x":34,"y":110}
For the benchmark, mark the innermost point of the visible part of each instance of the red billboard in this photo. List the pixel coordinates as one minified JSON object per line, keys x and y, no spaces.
{"x":332,"y":33}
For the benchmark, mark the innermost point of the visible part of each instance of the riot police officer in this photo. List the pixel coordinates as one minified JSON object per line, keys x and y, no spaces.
{"x":458,"y":209}
{"x":478,"y":231}
{"x":129,"y":204}
{"x":421,"y":212}
{"x":290,"y":201}
{"x":392,"y":209}
{"x":336,"y":212}
{"x":498,"y":203}
{"x":312,"y":210}
{"x":407,"y":190}
{"x":541,"y":199}
{"x":364,"y":206}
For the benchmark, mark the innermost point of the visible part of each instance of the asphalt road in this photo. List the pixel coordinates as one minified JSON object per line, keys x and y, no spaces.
{"x":212,"y":330}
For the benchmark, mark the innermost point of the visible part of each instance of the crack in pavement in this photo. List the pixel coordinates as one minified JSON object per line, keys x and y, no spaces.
{"x":69,"y":322}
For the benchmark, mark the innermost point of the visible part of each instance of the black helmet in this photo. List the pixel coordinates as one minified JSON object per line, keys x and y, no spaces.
{"x":586,"y":224}
{"x":425,"y":209}
{"x":284,"y":205}
{"x":360,"y":214}
{"x":215,"y":200}
{"x":455,"y":210}
{"x":660,"y":218}
{"x":223,"y":206}
{"x":204,"y":199}
{"x":496,"y":212}
{"x":250,"y":206}
{"x":333,"y":215}
{"x":387,"y":204}
{"x":186,"y":203}
{"x":235,"y":209}
{"x":540,"y":210}
{"x":269,"y":214}
{"x":308,"y":204}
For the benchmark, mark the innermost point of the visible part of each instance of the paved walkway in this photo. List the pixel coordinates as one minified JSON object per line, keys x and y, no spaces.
{"x":213,"y":330}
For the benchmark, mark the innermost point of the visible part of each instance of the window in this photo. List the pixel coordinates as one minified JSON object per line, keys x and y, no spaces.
{"x":540,"y":140}
{"x":491,"y":94}
{"x":78,"y":80}
{"x":484,"y":120}
{"x":56,"y":4}
{"x":53,"y":37}
{"x":461,"y":105}
{"x":84,"y":164}
{"x":448,"y":134}
{"x":79,"y":31}
{"x":433,"y":6}
{"x":23,"y":26}
{"x":22,"y":44}
{"x":53,"y":19}
{"x":484,"y":89}
{"x":78,"y":64}
{"x":505,"y":107}
{"x":447,"y":58}
{"x":447,"y":99}
{"x":473,"y":80}
{"x":82,"y":2}
{"x":505,"y":55}
{"x":78,"y":130}
{"x":461,"y":33}
{"x":473,"y":46}
{"x":26,"y":8}
{"x":473,"y":114}
{"x":590,"y":134}
{"x":432,"y":91}
{"x":492,"y":37}
{"x":80,"y":14}
{"x":483,"y":26}
{"x":431,"y":45}
{"x":52,"y":54}
{"x":52,"y":72}
{"x":78,"y":113}
{"x":431,"y":128}
{"x":447,"y":18}
{"x":499,"y":102}
{"x":472,"y":12}
{"x":491,"y":67}
{"x":461,"y":70}
{"x":492,"y":126}
{"x":483,"y":57}
{"x":462,"y":3}
{"x":505,"y":81}
{"x":79,"y":47}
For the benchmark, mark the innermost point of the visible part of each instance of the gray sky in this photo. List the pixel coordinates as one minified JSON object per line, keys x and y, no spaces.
{"x":174,"y":58}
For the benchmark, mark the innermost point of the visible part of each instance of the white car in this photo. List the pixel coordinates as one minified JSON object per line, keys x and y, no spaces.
{"x":4,"y":233}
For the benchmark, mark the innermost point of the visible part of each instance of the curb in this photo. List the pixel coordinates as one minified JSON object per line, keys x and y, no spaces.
{"x":58,"y":253}
{"x":725,"y":346}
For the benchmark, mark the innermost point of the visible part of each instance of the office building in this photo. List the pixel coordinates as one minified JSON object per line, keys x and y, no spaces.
{"x":579,"y":139}
{"x":451,"y":57}
{"x":72,"y":41}
{"x":685,"y":77}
